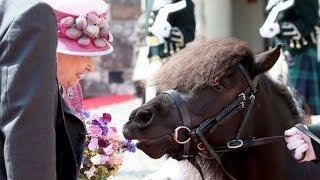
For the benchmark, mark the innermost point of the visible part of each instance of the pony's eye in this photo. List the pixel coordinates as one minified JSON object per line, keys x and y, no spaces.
{"x":219,"y":86}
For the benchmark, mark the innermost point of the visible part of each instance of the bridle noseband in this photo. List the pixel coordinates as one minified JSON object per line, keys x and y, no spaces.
{"x":197,"y":134}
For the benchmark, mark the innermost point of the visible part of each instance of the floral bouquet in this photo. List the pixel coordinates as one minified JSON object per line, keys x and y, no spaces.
{"x":104,"y":148}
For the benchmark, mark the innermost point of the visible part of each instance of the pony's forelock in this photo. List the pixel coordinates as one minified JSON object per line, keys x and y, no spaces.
{"x":201,"y":64}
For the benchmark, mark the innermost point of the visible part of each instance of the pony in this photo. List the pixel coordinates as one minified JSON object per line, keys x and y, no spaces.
{"x":220,"y":111}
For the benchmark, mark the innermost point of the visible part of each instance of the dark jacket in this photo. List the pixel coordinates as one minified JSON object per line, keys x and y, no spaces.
{"x":70,"y":135}
{"x":304,"y":16}
{"x":36,"y":142}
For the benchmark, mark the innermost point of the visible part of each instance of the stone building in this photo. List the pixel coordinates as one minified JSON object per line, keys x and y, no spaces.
{"x":113,"y":72}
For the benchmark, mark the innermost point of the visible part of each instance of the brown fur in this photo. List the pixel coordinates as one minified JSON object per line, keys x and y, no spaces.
{"x":201,"y":64}
{"x":294,"y":101}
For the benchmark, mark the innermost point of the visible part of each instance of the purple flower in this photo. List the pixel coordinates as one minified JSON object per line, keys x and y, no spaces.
{"x":102,"y":126}
{"x":129,"y":146}
{"x":96,"y":122}
{"x":85,"y":113}
{"x":103,"y":143}
{"x":104,"y":130}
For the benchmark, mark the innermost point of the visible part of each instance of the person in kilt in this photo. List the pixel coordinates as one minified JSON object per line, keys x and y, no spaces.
{"x":296,"y":29}
{"x":170,"y":26}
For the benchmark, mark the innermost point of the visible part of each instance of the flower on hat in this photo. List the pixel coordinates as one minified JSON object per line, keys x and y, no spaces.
{"x":86,"y":29}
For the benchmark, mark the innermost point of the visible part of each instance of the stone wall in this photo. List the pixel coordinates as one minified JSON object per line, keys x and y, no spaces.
{"x":112,"y":74}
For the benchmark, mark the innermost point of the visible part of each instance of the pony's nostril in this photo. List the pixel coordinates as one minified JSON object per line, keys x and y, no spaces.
{"x":132,"y":115}
{"x":143,"y":118}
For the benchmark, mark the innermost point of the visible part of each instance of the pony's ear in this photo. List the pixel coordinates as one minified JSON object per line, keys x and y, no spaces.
{"x":264,"y":61}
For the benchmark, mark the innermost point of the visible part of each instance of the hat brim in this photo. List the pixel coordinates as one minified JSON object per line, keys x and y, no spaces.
{"x":70,"y":47}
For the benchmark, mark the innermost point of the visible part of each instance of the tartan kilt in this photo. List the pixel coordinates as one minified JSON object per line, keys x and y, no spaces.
{"x":304,"y":75}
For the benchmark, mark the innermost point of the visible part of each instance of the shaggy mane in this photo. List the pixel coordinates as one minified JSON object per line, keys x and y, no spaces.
{"x":201,"y":64}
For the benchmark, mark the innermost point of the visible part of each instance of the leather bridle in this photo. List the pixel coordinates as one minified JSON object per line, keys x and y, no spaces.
{"x":196,"y":135}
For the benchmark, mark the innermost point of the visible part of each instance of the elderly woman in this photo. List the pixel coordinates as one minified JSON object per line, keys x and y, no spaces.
{"x":82,"y":33}
{"x":41,"y":137}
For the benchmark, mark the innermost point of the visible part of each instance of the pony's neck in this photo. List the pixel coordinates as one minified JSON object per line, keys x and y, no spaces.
{"x":273,"y":112}
{"x":271,"y":117}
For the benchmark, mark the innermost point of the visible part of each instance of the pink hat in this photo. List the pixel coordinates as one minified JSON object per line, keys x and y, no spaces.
{"x":82,"y":27}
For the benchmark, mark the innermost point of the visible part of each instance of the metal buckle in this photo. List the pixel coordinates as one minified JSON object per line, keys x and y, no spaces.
{"x":176,"y":135}
{"x":242,"y":96}
{"x":234,"y":144}
{"x":200,"y":147}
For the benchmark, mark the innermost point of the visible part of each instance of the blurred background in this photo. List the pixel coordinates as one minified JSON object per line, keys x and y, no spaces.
{"x":214,"y":18}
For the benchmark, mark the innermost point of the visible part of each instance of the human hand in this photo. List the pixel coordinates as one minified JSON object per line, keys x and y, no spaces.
{"x":162,"y":30}
{"x":269,"y":30}
{"x":161,"y":27}
{"x":300,"y":143}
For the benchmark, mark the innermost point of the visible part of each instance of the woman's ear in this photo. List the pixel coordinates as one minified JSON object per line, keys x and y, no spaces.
{"x":264,"y":61}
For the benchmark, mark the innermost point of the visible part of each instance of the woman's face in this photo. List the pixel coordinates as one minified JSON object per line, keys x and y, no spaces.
{"x":71,"y":68}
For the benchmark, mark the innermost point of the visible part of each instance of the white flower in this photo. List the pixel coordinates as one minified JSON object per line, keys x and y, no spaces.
{"x":96,"y":159}
{"x":108,"y":150}
{"x":93,"y":145}
{"x":90,"y":172}
{"x":103,"y":159}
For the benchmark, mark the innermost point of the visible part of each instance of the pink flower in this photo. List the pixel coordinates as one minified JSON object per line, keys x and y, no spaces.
{"x":94,"y":131}
{"x":114,"y":129}
{"x":112,"y":134}
{"x":94,"y":144}
{"x":116,"y":145}
{"x":90,"y":172}
{"x":115,"y":159}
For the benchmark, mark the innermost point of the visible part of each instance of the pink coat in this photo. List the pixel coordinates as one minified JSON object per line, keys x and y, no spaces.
{"x":73,"y":97}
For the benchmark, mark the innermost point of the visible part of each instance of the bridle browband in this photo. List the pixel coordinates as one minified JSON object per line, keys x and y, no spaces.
{"x":197,"y":134}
